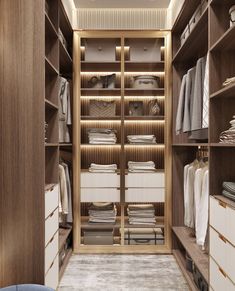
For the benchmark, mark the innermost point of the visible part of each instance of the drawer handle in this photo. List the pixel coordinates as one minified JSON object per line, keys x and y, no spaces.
{"x":222,"y":238}
{"x":51,"y":240}
{"x":224,"y":205}
{"x":222,"y":272}
{"x":51,"y":265}
{"x":52,"y":213}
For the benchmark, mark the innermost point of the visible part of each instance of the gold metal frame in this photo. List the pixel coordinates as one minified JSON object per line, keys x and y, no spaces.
{"x":78,"y":248}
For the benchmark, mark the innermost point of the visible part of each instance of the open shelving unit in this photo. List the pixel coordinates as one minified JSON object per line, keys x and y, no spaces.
{"x":184,"y":148}
{"x":124,"y":67}
{"x":58,"y":62}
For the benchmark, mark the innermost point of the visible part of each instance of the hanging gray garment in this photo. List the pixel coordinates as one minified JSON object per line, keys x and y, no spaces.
{"x":205,"y":113}
{"x":180,"y":109}
{"x":68,"y":183}
{"x":189,"y":91}
{"x":64,"y":110}
{"x":197,"y":100}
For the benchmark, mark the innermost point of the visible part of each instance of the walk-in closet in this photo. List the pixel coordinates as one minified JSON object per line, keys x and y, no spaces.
{"x":117,"y":145}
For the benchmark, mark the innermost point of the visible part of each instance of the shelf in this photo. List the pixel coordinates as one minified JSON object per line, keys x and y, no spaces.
{"x":226,"y":92}
{"x":145,"y":145}
{"x":50,"y":105}
{"x":65,"y":263}
{"x":50,"y":67}
{"x":144,"y":92}
{"x":92,"y":118}
{"x":145,"y":117}
{"x":226,"y":200}
{"x":63,"y":235}
{"x":51,"y":144}
{"x":190,"y":144}
{"x":50,"y":26}
{"x":64,"y":23}
{"x":63,"y":145}
{"x":86,"y":225}
{"x":100,"y":145}
{"x":100,"y":66}
{"x":226,"y":42}
{"x":99,"y":92}
{"x":182,"y":264}
{"x":200,"y":259}
{"x":185,"y":14}
{"x":193,"y":45}
{"x":144,"y":66}
{"x":159,"y":223}
{"x":223,"y":145}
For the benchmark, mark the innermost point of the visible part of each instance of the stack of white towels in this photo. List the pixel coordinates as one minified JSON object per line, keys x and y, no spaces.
{"x":139,"y":167}
{"x":228,"y":136}
{"x":102,"y":136}
{"x":141,"y":139}
{"x":143,"y":214}
{"x":102,"y":213}
{"x":98,"y":168}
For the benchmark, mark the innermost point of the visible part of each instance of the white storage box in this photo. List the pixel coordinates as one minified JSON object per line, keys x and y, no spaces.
{"x":143,"y":195}
{"x":145,"y":180}
{"x":100,"y":195}
{"x":145,"y":50}
{"x":100,"y":180}
{"x":145,"y":82}
{"x":100,"y":50}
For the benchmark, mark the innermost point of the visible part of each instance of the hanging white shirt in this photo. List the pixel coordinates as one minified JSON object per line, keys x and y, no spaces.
{"x":203,"y":211}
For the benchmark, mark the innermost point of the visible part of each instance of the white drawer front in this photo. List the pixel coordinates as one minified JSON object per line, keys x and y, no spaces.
{"x":223,"y":253}
{"x":51,"y":225}
{"x":51,"y":251}
{"x":218,"y":280}
{"x":145,"y":180}
{"x":51,"y":200}
{"x":100,"y":180}
{"x":100,"y":195}
{"x":222,"y":218}
{"x":145,"y":195}
{"x":52,"y":276}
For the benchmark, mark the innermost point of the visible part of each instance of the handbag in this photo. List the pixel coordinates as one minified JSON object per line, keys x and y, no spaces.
{"x":107,"y":81}
{"x":153,"y":108}
{"x":99,"y":108}
{"x":136,"y":108}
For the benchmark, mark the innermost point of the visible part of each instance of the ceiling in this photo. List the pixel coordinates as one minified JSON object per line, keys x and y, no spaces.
{"x":121,"y":3}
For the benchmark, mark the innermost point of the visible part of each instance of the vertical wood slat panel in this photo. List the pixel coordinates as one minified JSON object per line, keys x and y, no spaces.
{"x":22,"y":142}
{"x":123,"y":19}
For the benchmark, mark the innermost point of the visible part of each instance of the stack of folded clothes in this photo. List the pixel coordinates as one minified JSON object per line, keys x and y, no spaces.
{"x":141,"y":139}
{"x":102,"y":213}
{"x":141,"y":214}
{"x":228,"y":136}
{"x":137,"y":167}
{"x":97,"y":168}
{"x":229,"y":190}
{"x":102,"y":136}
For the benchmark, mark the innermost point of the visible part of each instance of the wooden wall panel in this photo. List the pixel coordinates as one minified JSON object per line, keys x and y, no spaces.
{"x":21,"y":142}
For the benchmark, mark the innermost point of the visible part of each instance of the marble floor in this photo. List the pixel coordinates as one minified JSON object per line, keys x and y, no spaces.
{"x":123,"y":273}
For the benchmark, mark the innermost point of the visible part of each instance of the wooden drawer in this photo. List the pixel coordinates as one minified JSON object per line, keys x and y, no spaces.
{"x":100,"y":180}
{"x":51,"y":200}
{"x":218,"y":279}
{"x":100,"y":195}
{"x":51,"y":251}
{"x":51,"y":225}
{"x":222,"y":218}
{"x":52,"y":276}
{"x":145,"y":180}
{"x":223,"y":253}
{"x":145,"y":195}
